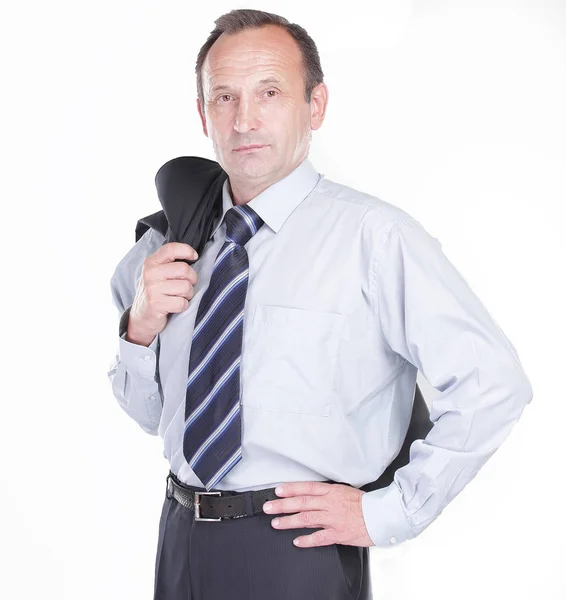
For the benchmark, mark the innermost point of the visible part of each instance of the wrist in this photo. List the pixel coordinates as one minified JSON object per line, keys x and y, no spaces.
{"x":134,"y":333}
{"x":138,"y":335}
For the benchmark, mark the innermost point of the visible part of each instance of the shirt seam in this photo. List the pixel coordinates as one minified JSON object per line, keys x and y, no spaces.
{"x":374,"y":263}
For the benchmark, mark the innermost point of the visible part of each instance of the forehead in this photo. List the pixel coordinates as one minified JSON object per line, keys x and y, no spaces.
{"x":252,"y":52}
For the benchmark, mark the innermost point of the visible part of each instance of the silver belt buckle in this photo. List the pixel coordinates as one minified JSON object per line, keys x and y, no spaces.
{"x":197,"y":505}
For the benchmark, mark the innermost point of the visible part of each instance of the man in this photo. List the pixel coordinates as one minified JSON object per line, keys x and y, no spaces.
{"x":288,"y":354}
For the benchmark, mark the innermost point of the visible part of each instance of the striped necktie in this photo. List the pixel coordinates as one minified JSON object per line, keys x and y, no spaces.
{"x":212,"y":436}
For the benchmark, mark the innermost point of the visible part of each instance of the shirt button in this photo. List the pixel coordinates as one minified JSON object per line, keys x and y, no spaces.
{"x":393,"y":540}
{"x":152,"y":397}
{"x":147,"y":357}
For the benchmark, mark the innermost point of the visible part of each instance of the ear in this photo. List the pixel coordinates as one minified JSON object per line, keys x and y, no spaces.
{"x":319,"y":101}
{"x":202,"y":117}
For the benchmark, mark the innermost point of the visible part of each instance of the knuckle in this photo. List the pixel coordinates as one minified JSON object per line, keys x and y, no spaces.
{"x":319,"y":537}
{"x":305,"y":517}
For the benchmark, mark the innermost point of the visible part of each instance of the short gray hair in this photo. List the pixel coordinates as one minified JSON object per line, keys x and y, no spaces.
{"x":246,"y":18}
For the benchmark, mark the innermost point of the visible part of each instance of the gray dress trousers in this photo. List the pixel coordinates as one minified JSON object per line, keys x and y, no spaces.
{"x":247,"y":559}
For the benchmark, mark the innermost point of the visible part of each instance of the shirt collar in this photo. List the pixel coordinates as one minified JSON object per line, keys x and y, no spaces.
{"x":275,"y":204}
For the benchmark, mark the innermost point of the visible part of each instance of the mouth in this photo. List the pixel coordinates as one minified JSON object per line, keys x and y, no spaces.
{"x":251,"y":148}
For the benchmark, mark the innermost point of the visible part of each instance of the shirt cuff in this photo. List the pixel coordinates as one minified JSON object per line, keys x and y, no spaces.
{"x":138,"y":358}
{"x":385,"y":518}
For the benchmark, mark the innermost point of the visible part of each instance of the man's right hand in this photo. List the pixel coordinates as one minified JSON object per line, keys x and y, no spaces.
{"x":165,"y":287}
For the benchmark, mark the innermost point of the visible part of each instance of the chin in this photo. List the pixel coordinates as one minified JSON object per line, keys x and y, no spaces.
{"x":252,"y":168}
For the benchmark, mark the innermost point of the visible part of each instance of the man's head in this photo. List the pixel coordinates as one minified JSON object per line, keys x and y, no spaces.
{"x":259,"y":81}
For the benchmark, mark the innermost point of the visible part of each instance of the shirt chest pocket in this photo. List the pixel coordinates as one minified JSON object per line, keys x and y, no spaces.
{"x":290,"y":360}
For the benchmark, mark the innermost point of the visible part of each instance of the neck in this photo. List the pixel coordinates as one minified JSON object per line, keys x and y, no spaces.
{"x":243,"y":191}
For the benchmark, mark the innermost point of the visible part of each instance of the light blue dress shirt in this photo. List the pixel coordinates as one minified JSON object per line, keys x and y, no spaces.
{"x":348,"y":297}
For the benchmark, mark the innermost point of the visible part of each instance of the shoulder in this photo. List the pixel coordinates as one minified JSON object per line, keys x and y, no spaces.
{"x":132,"y":261}
{"x":376,"y":212}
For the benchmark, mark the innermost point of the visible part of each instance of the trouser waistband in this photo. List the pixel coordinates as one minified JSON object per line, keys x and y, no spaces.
{"x":218,"y":505}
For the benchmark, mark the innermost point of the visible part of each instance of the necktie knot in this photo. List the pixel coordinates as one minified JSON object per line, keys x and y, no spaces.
{"x":242,"y":222}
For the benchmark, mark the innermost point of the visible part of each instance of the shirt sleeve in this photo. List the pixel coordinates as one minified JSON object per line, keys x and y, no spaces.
{"x":431,"y":317}
{"x":134,"y":371}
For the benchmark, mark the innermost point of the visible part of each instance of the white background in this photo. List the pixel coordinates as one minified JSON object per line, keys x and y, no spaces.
{"x":453,"y":110}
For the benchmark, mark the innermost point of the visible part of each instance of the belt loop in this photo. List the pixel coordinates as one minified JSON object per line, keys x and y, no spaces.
{"x":249,"y":503}
{"x":169,"y":487}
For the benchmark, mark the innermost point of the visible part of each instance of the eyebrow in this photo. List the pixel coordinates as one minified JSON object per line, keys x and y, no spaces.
{"x":271,"y":79}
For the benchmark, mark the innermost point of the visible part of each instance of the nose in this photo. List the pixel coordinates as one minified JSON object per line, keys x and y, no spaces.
{"x":247,"y":116}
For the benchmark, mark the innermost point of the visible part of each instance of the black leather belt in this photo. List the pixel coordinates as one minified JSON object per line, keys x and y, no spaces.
{"x":219,"y":505}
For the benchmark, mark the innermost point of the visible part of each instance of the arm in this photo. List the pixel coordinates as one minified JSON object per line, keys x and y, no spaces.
{"x":134,"y":372}
{"x":431,"y":317}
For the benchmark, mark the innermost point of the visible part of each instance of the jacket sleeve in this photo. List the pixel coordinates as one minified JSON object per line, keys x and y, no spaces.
{"x":431,"y":317}
{"x":134,"y":371}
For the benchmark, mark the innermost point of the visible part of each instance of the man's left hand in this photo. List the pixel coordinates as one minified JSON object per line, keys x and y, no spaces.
{"x":334,"y":506}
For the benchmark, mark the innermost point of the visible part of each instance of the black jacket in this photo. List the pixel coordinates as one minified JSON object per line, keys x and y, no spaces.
{"x":190,"y":191}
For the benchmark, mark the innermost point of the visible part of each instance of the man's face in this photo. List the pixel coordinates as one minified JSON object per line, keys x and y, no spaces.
{"x":254,"y":93}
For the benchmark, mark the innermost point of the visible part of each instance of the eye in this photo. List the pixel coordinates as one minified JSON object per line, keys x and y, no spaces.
{"x":224,"y":96}
{"x":269,"y":91}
